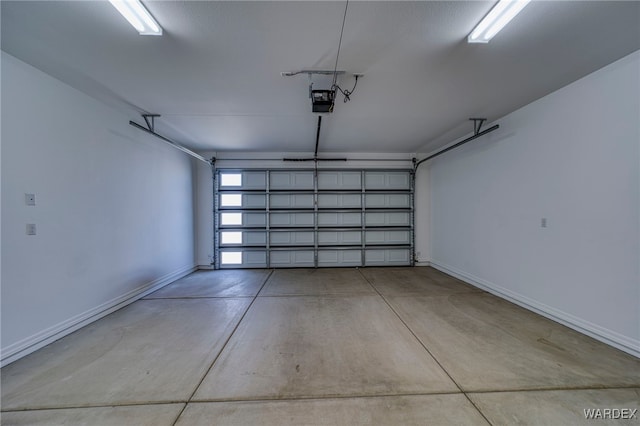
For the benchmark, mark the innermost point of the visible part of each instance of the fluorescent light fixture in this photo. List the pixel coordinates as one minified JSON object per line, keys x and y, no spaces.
{"x":137,"y":16}
{"x":500,"y":15}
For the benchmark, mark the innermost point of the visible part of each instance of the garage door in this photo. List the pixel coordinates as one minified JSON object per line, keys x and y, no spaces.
{"x":308,"y":218}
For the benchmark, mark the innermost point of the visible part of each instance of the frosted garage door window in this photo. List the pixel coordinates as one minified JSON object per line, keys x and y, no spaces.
{"x":231,"y":258}
{"x":231,"y":237}
{"x":230,"y":179}
{"x":231,"y":200}
{"x":231,"y":218}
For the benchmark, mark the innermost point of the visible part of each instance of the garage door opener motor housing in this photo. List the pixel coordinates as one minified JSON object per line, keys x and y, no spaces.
{"x":322,"y":100}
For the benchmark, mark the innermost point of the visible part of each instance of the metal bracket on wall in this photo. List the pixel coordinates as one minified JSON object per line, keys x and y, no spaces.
{"x":477,"y":125}
{"x":312,"y":72}
{"x":150,"y":120}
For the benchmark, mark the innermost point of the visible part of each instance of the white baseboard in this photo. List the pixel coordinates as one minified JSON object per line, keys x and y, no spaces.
{"x":32,"y":343}
{"x":612,"y":338}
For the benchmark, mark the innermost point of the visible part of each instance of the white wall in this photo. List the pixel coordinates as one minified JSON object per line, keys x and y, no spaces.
{"x":204,"y":216}
{"x":572,"y":157}
{"x":422,"y":223}
{"x":114,"y":210}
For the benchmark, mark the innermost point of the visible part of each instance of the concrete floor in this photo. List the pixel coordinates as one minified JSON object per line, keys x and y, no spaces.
{"x":384,"y":346}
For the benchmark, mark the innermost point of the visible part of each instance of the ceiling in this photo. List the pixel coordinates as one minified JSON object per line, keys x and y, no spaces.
{"x":215,"y":73}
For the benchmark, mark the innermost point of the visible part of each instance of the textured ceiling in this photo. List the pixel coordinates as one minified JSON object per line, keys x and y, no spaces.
{"x":215,"y":73}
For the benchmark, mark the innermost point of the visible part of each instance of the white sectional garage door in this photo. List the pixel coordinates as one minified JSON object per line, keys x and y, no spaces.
{"x":308,"y":218}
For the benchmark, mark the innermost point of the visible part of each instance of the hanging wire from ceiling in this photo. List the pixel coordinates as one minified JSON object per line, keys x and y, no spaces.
{"x":347,"y":93}
{"x":334,"y":84}
{"x":335,"y":68}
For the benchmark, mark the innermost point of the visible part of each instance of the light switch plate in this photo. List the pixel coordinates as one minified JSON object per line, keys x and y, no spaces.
{"x":31,"y":229}
{"x":30,"y":199}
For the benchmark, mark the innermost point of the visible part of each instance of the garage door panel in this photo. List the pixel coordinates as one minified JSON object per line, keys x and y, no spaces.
{"x":332,"y":258}
{"x":383,"y":201}
{"x":237,"y":237}
{"x":307,"y":218}
{"x":291,"y":201}
{"x":254,"y":180}
{"x":291,"y":219}
{"x":236,"y":219}
{"x":339,"y":180}
{"x":291,"y":258}
{"x":243,"y":259}
{"x":388,"y":219}
{"x":255,"y":259}
{"x":254,"y":238}
{"x":254,"y":219}
{"x":387,"y":257}
{"x":292,"y":238}
{"x":254,"y":201}
{"x":335,"y":219}
{"x":242,"y":180}
{"x":387,"y":237}
{"x":339,"y":201}
{"x":291,"y":180}
{"x":387,"y":180}
{"x":335,"y":238}
{"x":235,"y":200}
